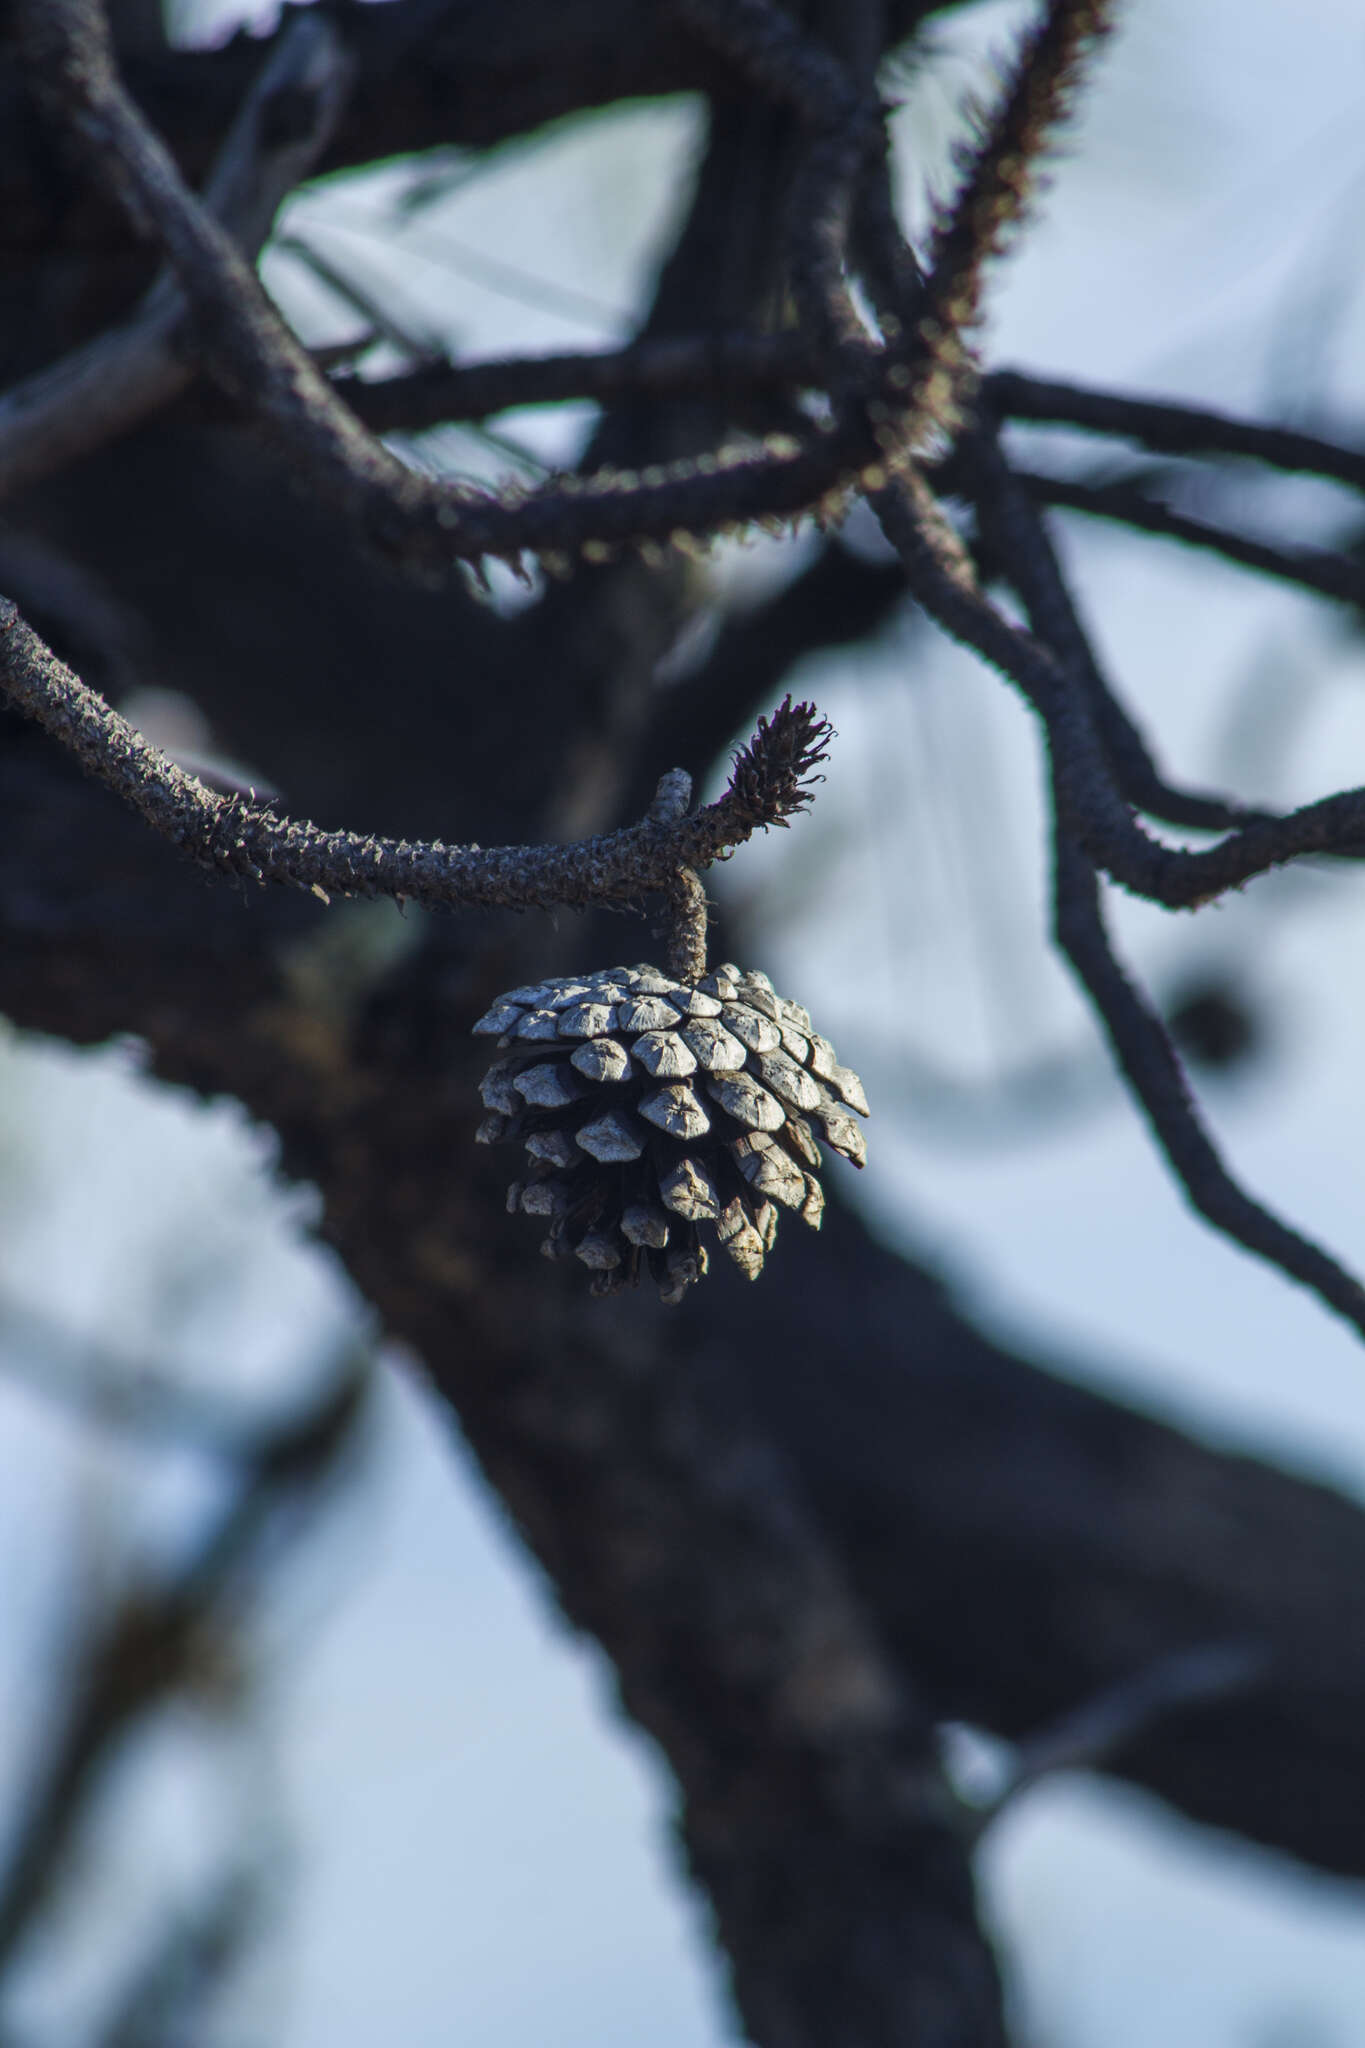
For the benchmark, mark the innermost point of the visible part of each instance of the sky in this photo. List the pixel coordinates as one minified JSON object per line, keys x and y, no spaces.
{"x":477,"y":1847}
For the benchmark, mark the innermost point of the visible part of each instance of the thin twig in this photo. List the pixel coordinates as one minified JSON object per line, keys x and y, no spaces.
{"x":1171,"y":429}
{"x":1149,"y":1064}
{"x":1315,"y":569}
{"x":1012,"y":527}
{"x":1096,"y":1734}
{"x":1146,"y":1056}
{"x":1092,"y":804}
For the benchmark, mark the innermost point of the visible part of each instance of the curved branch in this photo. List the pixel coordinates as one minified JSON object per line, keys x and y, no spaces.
{"x":902,"y":393}
{"x":1146,"y":1058}
{"x":1149,"y":1065}
{"x":234,"y":836}
{"x":1091,"y":803}
{"x":1013,"y":529}
{"x":1316,"y":569}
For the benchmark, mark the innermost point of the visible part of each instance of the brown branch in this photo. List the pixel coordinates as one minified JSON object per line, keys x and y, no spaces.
{"x":232,"y":836}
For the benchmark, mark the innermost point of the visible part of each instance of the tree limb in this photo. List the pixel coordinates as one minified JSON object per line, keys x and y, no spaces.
{"x":1168,"y":428}
{"x":1320,"y":570}
{"x":61,"y":412}
{"x":232,"y":836}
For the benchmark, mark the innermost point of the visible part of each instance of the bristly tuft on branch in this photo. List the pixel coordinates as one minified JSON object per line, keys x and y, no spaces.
{"x":771,"y":778}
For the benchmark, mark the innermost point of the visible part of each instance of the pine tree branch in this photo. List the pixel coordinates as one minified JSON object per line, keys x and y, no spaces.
{"x":1319,"y":570}
{"x":1171,"y":429}
{"x":1092,"y":802}
{"x":230,"y":835}
{"x":68,"y":408}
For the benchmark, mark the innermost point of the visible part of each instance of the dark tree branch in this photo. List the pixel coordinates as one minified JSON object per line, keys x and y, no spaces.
{"x":1032,"y":1545}
{"x":911,"y":390}
{"x":63,"y":411}
{"x":1316,"y":569}
{"x":1092,"y":804}
{"x":729,"y":367}
{"x":232,"y":836}
{"x":171,"y":1996}
{"x":1150,"y":1067}
{"x":1170,"y":429}
{"x":1146,"y":1057}
{"x":1015,"y":536}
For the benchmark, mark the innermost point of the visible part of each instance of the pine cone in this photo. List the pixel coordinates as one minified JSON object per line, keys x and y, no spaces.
{"x":649,"y":1106}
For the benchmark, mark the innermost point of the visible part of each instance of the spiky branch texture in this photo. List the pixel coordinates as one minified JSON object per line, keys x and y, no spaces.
{"x":232,"y":835}
{"x":905,"y":406}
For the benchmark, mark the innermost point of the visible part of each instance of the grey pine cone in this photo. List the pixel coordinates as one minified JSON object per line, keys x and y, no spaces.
{"x":650,"y":1106}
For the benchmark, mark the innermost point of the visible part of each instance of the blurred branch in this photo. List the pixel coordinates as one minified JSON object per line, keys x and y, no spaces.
{"x":1150,"y":1066}
{"x":663,"y":366}
{"x":114,"y":1391}
{"x":85,"y":618}
{"x":379,"y":321}
{"x":1089,"y":1543}
{"x":1095,"y":1734}
{"x":64,"y":411}
{"x":153,"y":1643}
{"x":1094,"y":806}
{"x":1099,"y":1733}
{"x":1017,"y":546}
{"x":166,"y":2004}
